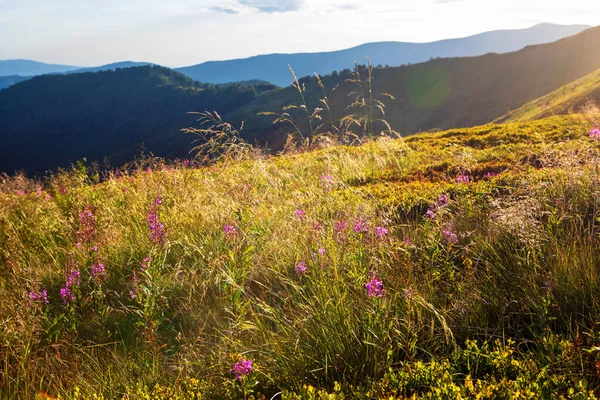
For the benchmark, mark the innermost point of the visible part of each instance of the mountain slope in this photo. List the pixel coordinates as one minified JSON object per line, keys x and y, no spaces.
{"x":28,"y":68}
{"x":445,"y":93}
{"x":51,"y":121}
{"x":6,"y":81}
{"x":274,"y":67}
{"x":563,"y":100}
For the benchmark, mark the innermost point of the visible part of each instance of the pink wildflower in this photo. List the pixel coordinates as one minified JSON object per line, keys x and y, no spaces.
{"x":241,"y":369}
{"x":374,"y":287}
{"x":462,"y":179}
{"x":229,"y":230}
{"x":301,"y":268}
{"x":381,"y":231}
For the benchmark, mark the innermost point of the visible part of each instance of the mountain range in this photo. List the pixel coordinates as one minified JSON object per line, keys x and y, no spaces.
{"x":52,"y":121}
{"x":274,"y":67}
{"x":7,"y":81}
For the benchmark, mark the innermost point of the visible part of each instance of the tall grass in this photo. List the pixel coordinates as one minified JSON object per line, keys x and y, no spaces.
{"x":489,"y":286}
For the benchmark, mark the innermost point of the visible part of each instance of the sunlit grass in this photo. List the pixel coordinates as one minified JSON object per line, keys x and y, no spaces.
{"x":491,"y":290}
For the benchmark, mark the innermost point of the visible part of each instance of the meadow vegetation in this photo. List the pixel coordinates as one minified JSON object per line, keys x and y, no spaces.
{"x":446,"y":265}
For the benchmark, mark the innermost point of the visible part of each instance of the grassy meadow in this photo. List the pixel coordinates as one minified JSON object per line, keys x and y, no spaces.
{"x":448,"y":265}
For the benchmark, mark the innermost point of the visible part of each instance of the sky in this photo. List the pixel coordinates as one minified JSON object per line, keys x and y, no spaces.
{"x":178,"y":33}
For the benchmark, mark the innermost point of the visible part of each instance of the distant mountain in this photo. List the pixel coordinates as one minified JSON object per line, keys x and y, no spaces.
{"x":51,"y":121}
{"x":566,"y":99}
{"x":111,"y":67}
{"x":29,"y":68}
{"x":274,"y":67}
{"x":6,"y":81}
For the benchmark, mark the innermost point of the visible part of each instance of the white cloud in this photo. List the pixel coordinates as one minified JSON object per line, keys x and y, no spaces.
{"x":273,"y":6}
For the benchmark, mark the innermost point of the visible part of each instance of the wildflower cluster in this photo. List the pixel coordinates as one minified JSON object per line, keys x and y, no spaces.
{"x":381,"y":231}
{"x":433,"y":209}
{"x":449,"y":236}
{"x":360,"y":226}
{"x":157,"y":229}
{"x":41,"y":296}
{"x":595,"y":133}
{"x":99,"y":272}
{"x":87,"y":226}
{"x":327,"y":180}
{"x":340,"y":226}
{"x":241,"y":368}
{"x":65,"y":292}
{"x":301,"y":268}
{"x":462,"y":179}
{"x":374,"y":287}
{"x":229,"y":230}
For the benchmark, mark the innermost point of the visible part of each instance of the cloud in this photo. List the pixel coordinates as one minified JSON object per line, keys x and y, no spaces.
{"x":272,"y":6}
{"x":347,"y":6}
{"x":447,"y":1}
{"x":225,"y":10}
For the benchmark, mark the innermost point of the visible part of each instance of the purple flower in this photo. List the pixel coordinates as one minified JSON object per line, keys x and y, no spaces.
{"x":98,"y":271}
{"x":132,"y":295}
{"x":449,"y":236}
{"x":66,"y":295}
{"x":340,"y":226}
{"x":374,"y":287}
{"x":441,"y":202}
{"x":381,"y":231}
{"x":301,"y":268}
{"x":360,"y":226}
{"x":326,"y":180}
{"x":407,"y":241}
{"x":595,"y":133}
{"x":158,"y":200}
{"x":87,"y":226}
{"x":157,"y":229}
{"x":241,"y":368}
{"x":462,"y":179}
{"x":229,"y":230}
{"x":300,"y":213}
{"x":73,"y":278}
{"x":20,"y":192}
{"x":321,"y":252}
{"x":145,"y":263}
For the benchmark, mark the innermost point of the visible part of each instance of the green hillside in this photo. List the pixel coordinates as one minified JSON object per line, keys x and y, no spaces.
{"x":109,"y":115}
{"x":458,"y":264}
{"x":566,"y":99}
{"x":443,"y":93}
